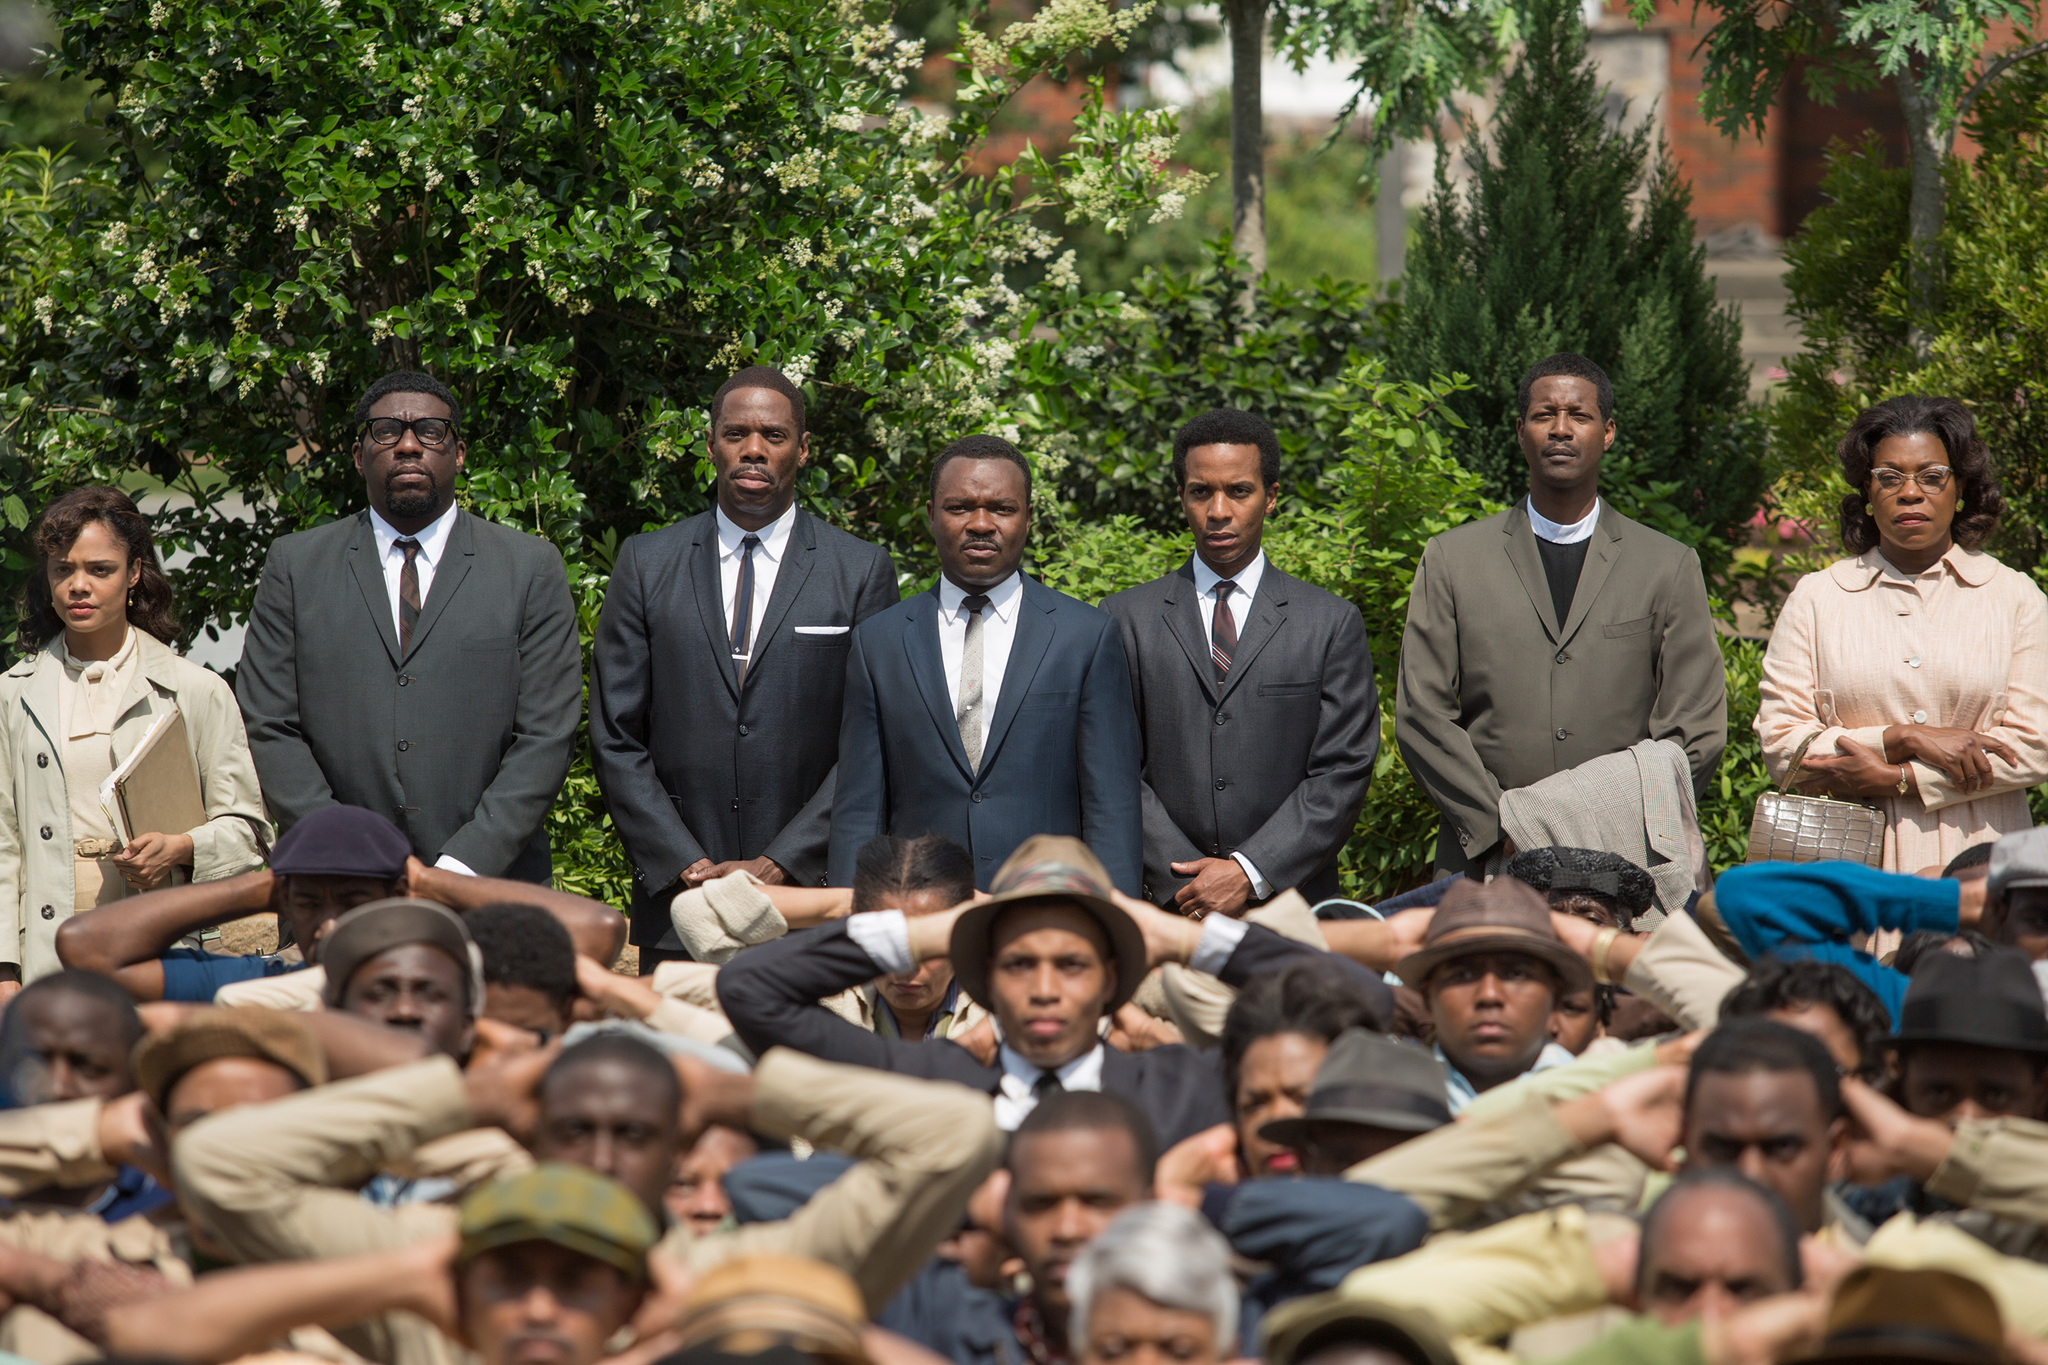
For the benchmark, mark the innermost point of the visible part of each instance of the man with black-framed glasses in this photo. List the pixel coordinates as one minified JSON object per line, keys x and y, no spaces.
{"x":415,"y":659}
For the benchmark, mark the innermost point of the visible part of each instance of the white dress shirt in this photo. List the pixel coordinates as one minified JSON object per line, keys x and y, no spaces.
{"x":998,"y":633}
{"x":433,"y":539}
{"x":1556,"y":532}
{"x":767,"y":560}
{"x":1240,"y":608}
{"x":1014,"y":1094}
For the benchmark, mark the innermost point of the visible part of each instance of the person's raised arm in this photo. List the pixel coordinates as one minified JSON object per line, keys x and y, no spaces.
{"x":597,"y":930}
{"x":126,"y":940}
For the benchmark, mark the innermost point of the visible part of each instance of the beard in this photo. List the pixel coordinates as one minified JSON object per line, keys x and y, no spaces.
{"x":413,"y":502}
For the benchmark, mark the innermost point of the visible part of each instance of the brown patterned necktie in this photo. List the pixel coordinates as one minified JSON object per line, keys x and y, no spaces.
{"x":1223,"y":631}
{"x":408,"y":593}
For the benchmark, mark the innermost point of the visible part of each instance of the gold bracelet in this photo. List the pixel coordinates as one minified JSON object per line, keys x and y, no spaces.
{"x":1602,"y":941}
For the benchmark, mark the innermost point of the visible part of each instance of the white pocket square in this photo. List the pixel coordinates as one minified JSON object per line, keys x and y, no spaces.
{"x":823,"y":630}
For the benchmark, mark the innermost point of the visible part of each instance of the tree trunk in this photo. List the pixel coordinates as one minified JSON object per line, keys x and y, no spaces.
{"x":1246,"y":20}
{"x":1927,"y":151}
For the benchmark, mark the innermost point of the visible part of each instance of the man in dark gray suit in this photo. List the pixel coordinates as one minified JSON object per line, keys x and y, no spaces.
{"x":990,"y":708}
{"x":1552,"y":633}
{"x":414,"y":659}
{"x":719,"y":667}
{"x":1255,"y":693}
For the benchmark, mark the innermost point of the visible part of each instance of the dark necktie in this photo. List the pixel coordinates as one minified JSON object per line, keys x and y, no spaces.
{"x":408,"y":593}
{"x":743,"y":605}
{"x":969,"y":716}
{"x":1048,"y":1083}
{"x":1223,"y":631}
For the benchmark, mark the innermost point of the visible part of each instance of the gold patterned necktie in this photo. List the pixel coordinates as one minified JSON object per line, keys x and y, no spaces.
{"x":970,"y":713}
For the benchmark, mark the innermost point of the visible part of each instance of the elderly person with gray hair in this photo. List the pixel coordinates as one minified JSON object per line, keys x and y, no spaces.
{"x":1155,"y":1287}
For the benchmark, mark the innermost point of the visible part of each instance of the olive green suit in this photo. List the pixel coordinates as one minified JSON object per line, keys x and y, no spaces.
{"x":1496,"y":694}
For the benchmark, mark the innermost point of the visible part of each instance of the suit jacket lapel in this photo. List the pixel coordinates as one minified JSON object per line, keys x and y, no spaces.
{"x":1528,"y":562}
{"x":1027,"y":651}
{"x":1269,"y":612}
{"x":1600,"y":557}
{"x":456,"y":557}
{"x":710,"y":599}
{"x":1183,"y":613}
{"x":928,"y":666}
{"x":799,"y":552}
{"x":362,"y":561}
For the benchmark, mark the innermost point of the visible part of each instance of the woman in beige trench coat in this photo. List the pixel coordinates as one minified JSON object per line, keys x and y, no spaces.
{"x":99,"y":671}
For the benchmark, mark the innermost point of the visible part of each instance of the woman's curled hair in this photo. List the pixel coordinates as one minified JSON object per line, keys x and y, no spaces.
{"x":1978,"y":503}
{"x":151,"y":608}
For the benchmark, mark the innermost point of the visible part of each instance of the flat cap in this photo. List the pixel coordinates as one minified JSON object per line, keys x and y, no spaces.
{"x":341,"y":841}
{"x":571,"y":1206}
{"x":755,"y":1302}
{"x":2019,"y":860}
{"x":1880,"y":1315}
{"x":274,"y":1036}
{"x":1561,"y":869}
{"x":370,"y":929}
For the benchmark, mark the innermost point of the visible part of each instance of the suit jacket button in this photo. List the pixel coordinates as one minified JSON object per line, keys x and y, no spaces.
{"x":735,"y":803}
{"x":46,"y":831}
{"x":403,"y":679}
{"x":977,"y":796}
{"x":1564,"y":658}
{"x":1562,"y":732}
{"x":743,"y":732}
{"x":405,"y":744}
{"x":1221,"y":717}
{"x":1219,"y":784}
{"x":42,"y":760}
{"x":49,"y":912}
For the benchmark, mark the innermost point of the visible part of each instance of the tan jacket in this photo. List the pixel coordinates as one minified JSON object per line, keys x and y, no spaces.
{"x":1682,"y":973}
{"x":1495,"y":693}
{"x":276,"y":1182}
{"x":36,"y":861}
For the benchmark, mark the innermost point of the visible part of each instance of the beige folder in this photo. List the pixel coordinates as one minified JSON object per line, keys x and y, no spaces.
{"x":156,"y":788}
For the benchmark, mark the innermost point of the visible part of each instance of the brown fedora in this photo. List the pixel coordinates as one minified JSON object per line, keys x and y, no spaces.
{"x":1883,"y":1316}
{"x":1500,"y":916}
{"x":1048,"y":867}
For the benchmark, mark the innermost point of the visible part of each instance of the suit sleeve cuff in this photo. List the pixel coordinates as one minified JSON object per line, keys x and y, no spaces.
{"x":1220,"y":937}
{"x":1261,"y":888}
{"x":885,"y":936}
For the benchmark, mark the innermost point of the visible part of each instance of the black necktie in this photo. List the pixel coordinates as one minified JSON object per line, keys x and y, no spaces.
{"x":743,"y":605}
{"x":1048,"y":1083}
{"x":1223,"y":631}
{"x":408,"y":593}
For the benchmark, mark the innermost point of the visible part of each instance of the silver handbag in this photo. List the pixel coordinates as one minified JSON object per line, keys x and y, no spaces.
{"x":1790,"y":828}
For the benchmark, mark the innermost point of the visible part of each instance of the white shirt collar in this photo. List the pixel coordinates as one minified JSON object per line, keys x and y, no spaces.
{"x":774,"y":536}
{"x":1083,"y":1073}
{"x":433,"y":537}
{"x":1002,"y":598}
{"x":1247,"y":578}
{"x":1557,"y":533}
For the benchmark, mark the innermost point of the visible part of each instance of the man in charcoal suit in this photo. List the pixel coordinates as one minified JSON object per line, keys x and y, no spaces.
{"x":719,"y":667}
{"x":1255,"y":693}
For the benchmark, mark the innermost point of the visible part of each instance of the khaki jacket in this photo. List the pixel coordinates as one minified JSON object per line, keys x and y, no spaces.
{"x":276,"y":1182}
{"x":1495,"y":693}
{"x":36,"y":872}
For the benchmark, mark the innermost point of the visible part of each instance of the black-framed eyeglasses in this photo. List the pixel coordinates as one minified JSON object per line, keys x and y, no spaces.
{"x":428,"y":431}
{"x":1932,"y":479}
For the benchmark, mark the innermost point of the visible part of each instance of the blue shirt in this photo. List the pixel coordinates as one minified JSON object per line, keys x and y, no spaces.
{"x":1795,"y":910}
{"x":193,"y":975}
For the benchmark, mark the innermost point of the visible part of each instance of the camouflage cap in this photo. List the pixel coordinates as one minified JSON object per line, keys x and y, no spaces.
{"x":571,"y":1206}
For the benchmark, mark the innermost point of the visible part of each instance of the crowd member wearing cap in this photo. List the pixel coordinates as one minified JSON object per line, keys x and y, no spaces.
{"x":2016,"y":897}
{"x":1052,"y":952}
{"x":1350,"y":1329}
{"x":541,"y":1268}
{"x":1156,"y":1285}
{"x":755,"y":1304}
{"x":335,"y":859}
{"x":1604,"y":887}
{"x":98,"y":669}
{"x":1825,"y":999}
{"x":278,"y":1181}
{"x":407,"y":964}
{"x":1276,"y":1035}
{"x":1371,"y":1093}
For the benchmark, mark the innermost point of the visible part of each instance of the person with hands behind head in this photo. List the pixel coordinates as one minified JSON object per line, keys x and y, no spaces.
{"x":99,"y":671}
{"x":1911,"y":675}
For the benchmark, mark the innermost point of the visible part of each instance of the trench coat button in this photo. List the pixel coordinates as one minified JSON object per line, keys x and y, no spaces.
{"x":46,"y":831}
{"x":49,"y":912}
{"x":42,"y":760}
{"x":404,"y":744}
{"x":1562,"y":732}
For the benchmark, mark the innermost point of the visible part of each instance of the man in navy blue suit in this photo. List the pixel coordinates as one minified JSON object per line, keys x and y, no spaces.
{"x":990,"y":708}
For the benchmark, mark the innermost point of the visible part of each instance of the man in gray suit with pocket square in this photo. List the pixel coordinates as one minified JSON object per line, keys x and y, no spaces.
{"x":1254,"y":690}
{"x":1552,"y":633}
{"x":719,"y":667}
{"x":415,"y":659}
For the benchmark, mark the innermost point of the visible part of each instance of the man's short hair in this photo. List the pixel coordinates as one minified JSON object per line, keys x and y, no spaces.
{"x":91,"y":986}
{"x":655,"y":1069}
{"x":523,"y":945}
{"x":761,"y":377}
{"x":1914,"y":947}
{"x":1976,"y":855}
{"x":1576,"y":367}
{"x":981,"y":446}
{"x":408,"y":381}
{"x":1720,"y":1178}
{"x":1740,"y":1046}
{"x":1065,"y":1111}
{"x":1778,"y":983}
{"x":1227,"y":427}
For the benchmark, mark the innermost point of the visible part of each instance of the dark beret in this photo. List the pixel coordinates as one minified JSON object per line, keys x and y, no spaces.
{"x":1585,"y":869}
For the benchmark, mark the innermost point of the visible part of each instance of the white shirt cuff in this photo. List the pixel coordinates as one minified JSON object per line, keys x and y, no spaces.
{"x":885,"y":936}
{"x":1261,"y":888}
{"x":454,"y":864}
{"x":1220,"y":936}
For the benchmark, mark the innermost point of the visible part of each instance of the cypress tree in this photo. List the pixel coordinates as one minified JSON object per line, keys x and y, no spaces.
{"x":1576,"y":236}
